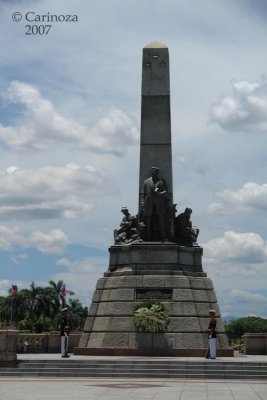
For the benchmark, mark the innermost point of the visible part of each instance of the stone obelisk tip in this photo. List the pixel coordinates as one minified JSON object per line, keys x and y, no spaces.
{"x":155,"y":45}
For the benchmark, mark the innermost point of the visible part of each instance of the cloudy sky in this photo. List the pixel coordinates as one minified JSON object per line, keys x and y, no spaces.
{"x":70,"y":105}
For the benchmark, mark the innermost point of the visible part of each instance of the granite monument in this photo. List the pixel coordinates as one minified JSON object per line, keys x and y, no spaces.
{"x":155,"y":253}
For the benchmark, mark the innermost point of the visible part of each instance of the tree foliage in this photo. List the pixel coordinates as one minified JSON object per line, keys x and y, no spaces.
{"x":38,"y":309}
{"x":237,"y":328}
{"x":151,"y":317}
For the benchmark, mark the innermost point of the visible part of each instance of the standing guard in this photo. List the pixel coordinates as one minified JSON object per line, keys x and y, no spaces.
{"x":64,"y":333}
{"x":212,"y":336}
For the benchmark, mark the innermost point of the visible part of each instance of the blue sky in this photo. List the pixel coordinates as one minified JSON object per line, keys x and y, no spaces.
{"x":70,"y":106}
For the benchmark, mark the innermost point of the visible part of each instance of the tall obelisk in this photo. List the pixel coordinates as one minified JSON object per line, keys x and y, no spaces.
{"x":155,"y":142}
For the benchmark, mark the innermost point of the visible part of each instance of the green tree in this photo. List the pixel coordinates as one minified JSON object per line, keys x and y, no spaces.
{"x":77,"y":314}
{"x":237,"y":328}
{"x":47,"y":309}
{"x":5,"y":310}
{"x":38,"y":308}
{"x":55,"y":297}
{"x":56,"y":286}
{"x":32,"y":303}
{"x":11,"y":309}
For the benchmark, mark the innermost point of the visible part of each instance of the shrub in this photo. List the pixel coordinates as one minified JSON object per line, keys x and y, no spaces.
{"x":151,"y":317}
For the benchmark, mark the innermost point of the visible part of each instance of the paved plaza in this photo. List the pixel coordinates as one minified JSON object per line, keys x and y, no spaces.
{"x":122,"y":389}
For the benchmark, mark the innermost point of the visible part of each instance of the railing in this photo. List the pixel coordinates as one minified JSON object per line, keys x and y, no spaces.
{"x":44,"y":342}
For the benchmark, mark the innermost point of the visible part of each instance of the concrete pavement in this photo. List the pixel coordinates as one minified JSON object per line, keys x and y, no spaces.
{"x":54,"y":356}
{"x":121,"y":389}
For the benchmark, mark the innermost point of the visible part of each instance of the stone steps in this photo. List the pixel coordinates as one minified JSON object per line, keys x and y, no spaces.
{"x":210,"y":369}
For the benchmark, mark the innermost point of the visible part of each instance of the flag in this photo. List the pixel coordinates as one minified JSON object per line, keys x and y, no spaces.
{"x":63,"y":292}
{"x":14,"y":290}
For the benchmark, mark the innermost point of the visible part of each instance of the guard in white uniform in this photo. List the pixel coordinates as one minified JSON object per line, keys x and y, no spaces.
{"x":212,"y":335}
{"x":64,"y":333}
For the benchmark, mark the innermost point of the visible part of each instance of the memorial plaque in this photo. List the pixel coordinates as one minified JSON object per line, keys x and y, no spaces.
{"x":153,"y":294}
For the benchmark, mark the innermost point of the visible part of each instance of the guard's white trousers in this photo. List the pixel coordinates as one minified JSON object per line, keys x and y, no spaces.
{"x":64,"y":345}
{"x":212,"y":346}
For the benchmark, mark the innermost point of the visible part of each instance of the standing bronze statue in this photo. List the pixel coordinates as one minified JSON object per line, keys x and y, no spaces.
{"x":155,"y":207}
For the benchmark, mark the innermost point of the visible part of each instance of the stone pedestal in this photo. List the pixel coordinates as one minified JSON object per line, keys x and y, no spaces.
{"x":8,"y":347}
{"x":155,"y":259}
{"x":256,"y":343}
{"x":168,"y":273}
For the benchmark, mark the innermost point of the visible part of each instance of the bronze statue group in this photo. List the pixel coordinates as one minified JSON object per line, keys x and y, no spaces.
{"x":156,"y":221}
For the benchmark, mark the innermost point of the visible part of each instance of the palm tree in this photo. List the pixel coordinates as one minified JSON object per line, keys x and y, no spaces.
{"x":77,"y":314}
{"x":5,"y":310}
{"x":56,"y":286}
{"x":32,"y":300}
{"x":55,"y":290}
{"x":56,"y":298}
{"x":47,"y":307}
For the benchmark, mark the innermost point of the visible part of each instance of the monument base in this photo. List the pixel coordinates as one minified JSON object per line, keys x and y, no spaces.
{"x":167,"y":273}
{"x":187,"y":299}
{"x":155,"y":258}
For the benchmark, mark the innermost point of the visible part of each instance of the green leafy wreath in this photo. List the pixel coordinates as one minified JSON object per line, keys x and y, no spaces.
{"x":151,"y":317}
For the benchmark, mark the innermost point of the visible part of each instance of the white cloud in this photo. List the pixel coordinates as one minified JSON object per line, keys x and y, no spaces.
{"x":240,"y":302}
{"x":18,"y":258}
{"x":80,"y":275}
{"x":42,"y":126}
{"x":52,"y":242}
{"x":66,"y":192}
{"x":70,"y":208}
{"x":192,"y":161}
{"x":238,"y":247}
{"x":9,"y":236}
{"x":84,"y":266}
{"x":5,"y":284}
{"x":251,"y":196}
{"x":243,"y":295}
{"x":245,"y":110}
{"x":243,"y":270}
{"x":64,"y":262}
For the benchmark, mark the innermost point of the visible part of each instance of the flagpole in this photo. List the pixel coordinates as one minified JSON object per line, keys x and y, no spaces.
{"x":62,"y":294}
{"x":11,"y":309}
{"x":14,"y":291}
